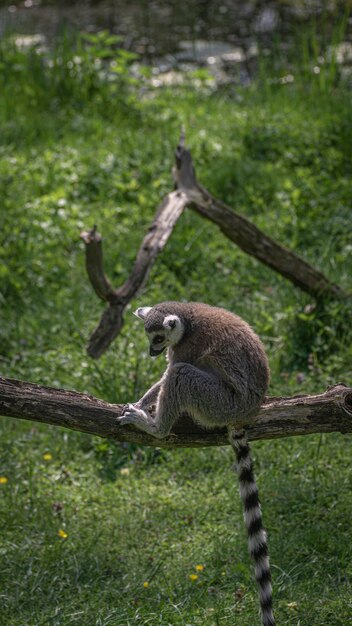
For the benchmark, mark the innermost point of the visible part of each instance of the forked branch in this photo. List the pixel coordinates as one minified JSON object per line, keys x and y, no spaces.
{"x":155,"y":240}
{"x":278,"y":417}
{"x":236,"y":227}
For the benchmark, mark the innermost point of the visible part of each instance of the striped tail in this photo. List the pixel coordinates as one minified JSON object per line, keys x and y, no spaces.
{"x":257,"y":540}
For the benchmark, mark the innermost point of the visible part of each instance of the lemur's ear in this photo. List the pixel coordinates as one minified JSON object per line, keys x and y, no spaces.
{"x":170,"y":321}
{"x":142,"y":312}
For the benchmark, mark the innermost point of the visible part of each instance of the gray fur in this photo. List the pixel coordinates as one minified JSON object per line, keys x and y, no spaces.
{"x":218,"y":373}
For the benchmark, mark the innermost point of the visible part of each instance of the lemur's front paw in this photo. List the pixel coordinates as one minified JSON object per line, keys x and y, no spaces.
{"x":132,"y":415}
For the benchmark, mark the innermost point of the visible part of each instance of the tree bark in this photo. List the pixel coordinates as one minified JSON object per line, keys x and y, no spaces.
{"x":326,"y":412}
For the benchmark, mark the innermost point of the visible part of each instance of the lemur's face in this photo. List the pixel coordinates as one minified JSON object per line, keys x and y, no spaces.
{"x":162,"y":330}
{"x":158,"y":341}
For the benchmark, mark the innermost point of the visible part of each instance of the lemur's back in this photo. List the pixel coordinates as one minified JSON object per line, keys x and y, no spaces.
{"x":220,"y":341}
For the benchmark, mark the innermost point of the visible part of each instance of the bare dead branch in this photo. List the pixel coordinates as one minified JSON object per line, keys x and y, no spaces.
{"x":247,"y":236}
{"x":95,"y":266}
{"x":236,"y":227}
{"x":326,"y":412}
{"x":158,"y":234}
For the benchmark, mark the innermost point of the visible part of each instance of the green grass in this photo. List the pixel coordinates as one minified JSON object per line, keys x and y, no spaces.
{"x":155,"y":520}
{"x":81,"y":149}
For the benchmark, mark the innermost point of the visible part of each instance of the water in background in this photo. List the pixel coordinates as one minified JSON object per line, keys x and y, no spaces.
{"x":171,"y":34}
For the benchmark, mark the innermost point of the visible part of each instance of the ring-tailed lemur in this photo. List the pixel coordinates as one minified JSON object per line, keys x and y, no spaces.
{"x":217,"y":373}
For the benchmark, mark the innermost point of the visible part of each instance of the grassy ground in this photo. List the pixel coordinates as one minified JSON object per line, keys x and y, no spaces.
{"x":97,"y":534}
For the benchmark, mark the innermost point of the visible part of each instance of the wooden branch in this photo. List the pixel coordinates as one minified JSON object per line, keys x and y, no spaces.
{"x":236,"y":227}
{"x":278,"y":417}
{"x":247,"y":236}
{"x":158,"y":234}
{"x":95,"y":265}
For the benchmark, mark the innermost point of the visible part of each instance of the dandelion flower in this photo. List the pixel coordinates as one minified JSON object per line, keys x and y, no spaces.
{"x":145,"y":585}
{"x":3,"y":480}
{"x":193,"y":577}
{"x":62,"y":534}
{"x":124,"y":471}
{"x":47,"y":456}
{"x":292,"y":605}
{"x":199,"y":568}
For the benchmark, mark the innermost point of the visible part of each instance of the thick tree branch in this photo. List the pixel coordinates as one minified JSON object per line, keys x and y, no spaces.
{"x":278,"y":417}
{"x":158,"y":234}
{"x":247,"y":236}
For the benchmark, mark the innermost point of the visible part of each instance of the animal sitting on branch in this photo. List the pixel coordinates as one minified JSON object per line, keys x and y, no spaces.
{"x":218,"y":373}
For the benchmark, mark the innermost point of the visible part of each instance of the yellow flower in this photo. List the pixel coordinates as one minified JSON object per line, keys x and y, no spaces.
{"x":62,"y":534}
{"x":193,"y":577}
{"x":124,"y":471}
{"x":292,"y":605}
{"x":47,"y":456}
{"x":146,"y":585}
{"x":199,"y":568}
{"x":3,"y":480}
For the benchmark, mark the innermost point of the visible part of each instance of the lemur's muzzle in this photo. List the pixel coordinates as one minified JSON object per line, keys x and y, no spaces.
{"x":155,"y":352}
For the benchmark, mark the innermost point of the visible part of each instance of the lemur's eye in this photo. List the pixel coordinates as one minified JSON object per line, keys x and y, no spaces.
{"x":158,"y":339}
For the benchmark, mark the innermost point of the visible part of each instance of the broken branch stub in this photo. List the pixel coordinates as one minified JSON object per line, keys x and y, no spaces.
{"x":95,"y":266}
{"x":326,"y":412}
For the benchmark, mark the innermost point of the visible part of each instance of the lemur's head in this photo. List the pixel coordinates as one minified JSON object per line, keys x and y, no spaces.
{"x":163,"y":328}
